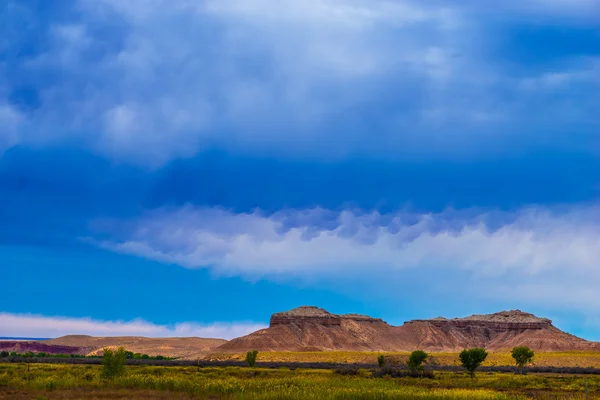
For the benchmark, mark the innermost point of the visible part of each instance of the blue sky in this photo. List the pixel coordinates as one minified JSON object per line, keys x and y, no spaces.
{"x":189,"y":168}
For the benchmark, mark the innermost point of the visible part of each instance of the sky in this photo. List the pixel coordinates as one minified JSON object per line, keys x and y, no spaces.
{"x":181,"y":168}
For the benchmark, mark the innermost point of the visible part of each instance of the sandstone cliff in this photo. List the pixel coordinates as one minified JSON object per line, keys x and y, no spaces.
{"x":311,"y":329}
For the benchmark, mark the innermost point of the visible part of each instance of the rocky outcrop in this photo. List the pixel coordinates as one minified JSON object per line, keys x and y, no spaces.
{"x":310,"y":328}
{"x":314,"y":315}
{"x":504,"y":321}
{"x":305,"y":315}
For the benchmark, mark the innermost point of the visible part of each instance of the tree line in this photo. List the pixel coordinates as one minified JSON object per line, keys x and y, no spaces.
{"x":129,"y":355}
{"x":470,"y":359}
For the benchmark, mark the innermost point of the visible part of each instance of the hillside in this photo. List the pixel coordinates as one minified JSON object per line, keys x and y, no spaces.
{"x":313,"y":329}
{"x":90,"y":345}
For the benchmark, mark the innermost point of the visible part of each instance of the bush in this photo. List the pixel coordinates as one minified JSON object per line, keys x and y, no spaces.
{"x":113,"y":363}
{"x":346,"y":371}
{"x":400,"y":373}
{"x":523,"y":355}
{"x":471,"y":359}
{"x":4,"y":354}
{"x":381,"y":361}
{"x":88,"y":376}
{"x":416,"y":360}
{"x":251,"y":358}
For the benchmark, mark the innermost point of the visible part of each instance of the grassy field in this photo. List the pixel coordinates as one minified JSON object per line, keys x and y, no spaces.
{"x":548,"y":359}
{"x":51,"y":381}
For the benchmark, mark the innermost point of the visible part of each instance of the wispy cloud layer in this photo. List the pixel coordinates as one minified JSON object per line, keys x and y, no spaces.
{"x":526,"y":256}
{"x":24,"y":325}
{"x":317,"y":241}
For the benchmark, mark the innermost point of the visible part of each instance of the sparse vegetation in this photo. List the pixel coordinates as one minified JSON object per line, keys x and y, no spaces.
{"x":416,"y":360}
{"x":251,"y":358}
{"x":59,"y":381}
{"x":471,"y":359}
{"x":549,"y":360}
{"x":523,"y":355}
{"x":113,"y":363}
{"x":31,"y":355}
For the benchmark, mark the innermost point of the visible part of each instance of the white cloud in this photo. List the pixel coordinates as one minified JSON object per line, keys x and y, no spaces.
{"x":527,"y":257}
{"x":320,"y":242}
{"x":26,"y":325}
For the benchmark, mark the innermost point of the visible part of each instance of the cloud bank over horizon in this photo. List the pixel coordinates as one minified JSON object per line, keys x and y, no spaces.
{"x":38,"y":326}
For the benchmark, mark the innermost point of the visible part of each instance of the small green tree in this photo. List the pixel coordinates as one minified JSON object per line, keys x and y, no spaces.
{"x":113,"y":363}
{"x":416,"y":360}
{"x":381,"y":360}
{"x":251,"y":358}
{"x":523,"y":355}
{"x":471,"y":359}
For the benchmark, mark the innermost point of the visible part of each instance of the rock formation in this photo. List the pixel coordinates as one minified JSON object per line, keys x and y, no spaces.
{"x":311,"y":328}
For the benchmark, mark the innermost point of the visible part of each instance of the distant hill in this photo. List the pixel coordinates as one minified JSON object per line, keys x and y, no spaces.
{"x":310,"y":328}
{"x":90,"y":345}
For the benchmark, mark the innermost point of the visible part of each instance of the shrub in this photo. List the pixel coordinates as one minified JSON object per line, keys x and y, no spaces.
{"x":50,"y":385}
{"x":416,"y":360}
{"x":113,"y":363}
{"x":88,"y":376}
{"x":399,"y":373}
{"x":523,"y":355}
{"x":251,"y":358}
{"x":4,"y":354}
{"x":471,"y":359}
{"x":346,"y":371}
{"x":381,"y":361}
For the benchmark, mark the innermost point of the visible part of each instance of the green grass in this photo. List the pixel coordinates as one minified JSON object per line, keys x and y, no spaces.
{"x":500,"y":358}
{"x":67,"y":381}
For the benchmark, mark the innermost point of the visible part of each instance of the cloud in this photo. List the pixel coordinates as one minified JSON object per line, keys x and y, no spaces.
{"x":534,"y":241}
{"x":526,"y":257}
{"x":26,"y":325}
{"x":10,"y":119}
{"x":149,"y":81}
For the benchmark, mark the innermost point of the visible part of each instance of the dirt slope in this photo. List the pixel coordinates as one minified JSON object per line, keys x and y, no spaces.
{"x":314,"y":329}
{"x":169,"y":347}
{"x":191,"y":347}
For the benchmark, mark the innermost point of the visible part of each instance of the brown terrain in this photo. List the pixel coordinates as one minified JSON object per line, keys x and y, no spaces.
{"x":315,"y":329}
{"x":191,"y":347}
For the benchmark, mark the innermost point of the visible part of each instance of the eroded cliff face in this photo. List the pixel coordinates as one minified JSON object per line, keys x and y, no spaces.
{"x":504,"y":321}
{"x":312,"y":328}
{"x":314,"y":315}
